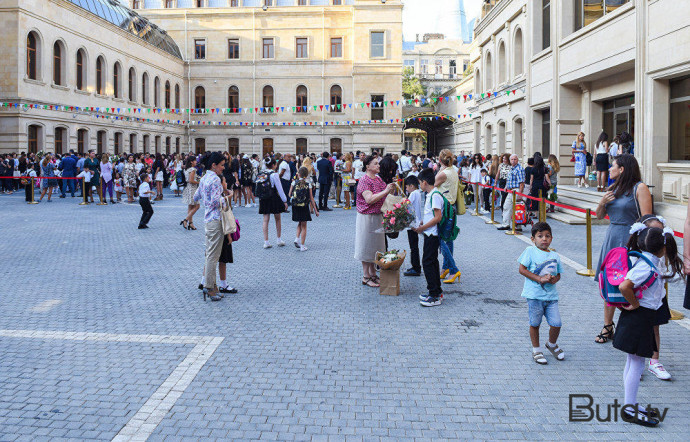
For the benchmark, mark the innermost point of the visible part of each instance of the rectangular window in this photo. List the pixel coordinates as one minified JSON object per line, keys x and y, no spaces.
{"x":234,"y":48}
{"x":169,"y":4}
{"x":408,"y":65}
{"x":268,"y":2}
{"x":234,"y":146}
{"x":301,"y":146}
{"x":199,"y":3}
{"x":588,"y":11}
{"x":438,"y":65}
{"x":199,"y":49}
{"x":546,"y":24}
{"x":118,"y":142}
{"x":546,"y":132}
{"x":680,"y":120}
{"x":376,"y":44}
{"x":452,"y":69}
{"x":336,"y":47}
{"x":377,"y":107}
{"x":234,"y":3}
{"x":337,"y":2}
{"x":302,"y":3}
{"x":267,"y":51}
{"x":301,"y":48}
{"x":424,"y":64}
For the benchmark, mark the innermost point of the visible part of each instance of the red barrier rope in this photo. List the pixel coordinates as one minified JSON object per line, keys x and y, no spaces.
{"x":553,"y":203}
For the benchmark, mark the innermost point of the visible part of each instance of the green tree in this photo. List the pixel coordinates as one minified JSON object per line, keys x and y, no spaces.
{"x":411,"y":86}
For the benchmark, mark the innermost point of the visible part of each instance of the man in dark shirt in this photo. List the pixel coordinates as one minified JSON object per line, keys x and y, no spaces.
{"x":68,"y":165}
{"x":326,"y":171}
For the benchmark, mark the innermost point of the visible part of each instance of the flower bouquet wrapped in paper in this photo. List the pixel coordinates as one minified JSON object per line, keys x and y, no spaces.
{"x":390,"y":260}
{"x":399,"y":218}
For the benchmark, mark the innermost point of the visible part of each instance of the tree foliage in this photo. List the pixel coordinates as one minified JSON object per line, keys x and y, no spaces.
{"x":411,"y":86}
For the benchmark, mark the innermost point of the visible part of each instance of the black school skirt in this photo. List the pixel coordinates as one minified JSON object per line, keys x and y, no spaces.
{"x":602,"y":162}
{"x":226,"y":251}
{"x":635,"y":332}
{"x":272,"y":205}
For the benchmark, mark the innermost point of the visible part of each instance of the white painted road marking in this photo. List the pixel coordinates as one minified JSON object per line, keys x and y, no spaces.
{"x":46,"y":305}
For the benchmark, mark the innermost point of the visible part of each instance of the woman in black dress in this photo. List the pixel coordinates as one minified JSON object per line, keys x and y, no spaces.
{"x":538,"y":179}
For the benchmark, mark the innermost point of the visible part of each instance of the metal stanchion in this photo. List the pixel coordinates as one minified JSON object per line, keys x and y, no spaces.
{"x":33,"y":189}
{"x":476,"y":200}
{"x":513,"y":231}
{"x":83,"y":192}
{"x":493,"y":205}
{"x":588,"y":271}
{"x":100,"y":195}
{"x":675,"y":314}
{"x":542,"y":207}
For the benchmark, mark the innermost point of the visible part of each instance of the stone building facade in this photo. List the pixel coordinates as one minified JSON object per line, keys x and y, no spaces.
{"x":56,"y":53}
{"x":439,"y":63}
{"x":186,"y":54}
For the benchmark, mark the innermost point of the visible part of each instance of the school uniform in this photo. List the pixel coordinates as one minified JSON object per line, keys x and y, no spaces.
{"x":145,"y":203}
{"x":431,"y":244}
{"x":635,"y":330}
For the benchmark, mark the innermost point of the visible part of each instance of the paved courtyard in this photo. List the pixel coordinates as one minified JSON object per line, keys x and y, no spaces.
{"x":104,"y":335}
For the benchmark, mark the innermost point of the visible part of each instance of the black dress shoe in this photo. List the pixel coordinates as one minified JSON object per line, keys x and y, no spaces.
{"x":412,"y":272}
{"x":143,"y":227}
{"x":227,"y":290}
{"x":201,"y":286}
{"x":326,"y":209}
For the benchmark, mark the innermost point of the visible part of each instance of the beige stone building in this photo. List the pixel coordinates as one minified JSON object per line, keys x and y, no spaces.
{"x":56,"y":53}
{"x":209,"y":54}
{"x":285,"y":54}
{"x":438,"y":62}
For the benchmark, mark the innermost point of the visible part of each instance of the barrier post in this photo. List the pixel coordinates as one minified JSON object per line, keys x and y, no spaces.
{"x":83,"y":192}
{"x":493,"y":205}
{"x":513,"y":231}
{"x":476,"y":200}
{"x":588,"y":271}
{"x":33,"y":189}
{"x":675,"y":314}
{"x":542,"y":207}
{"x":100,"y":195}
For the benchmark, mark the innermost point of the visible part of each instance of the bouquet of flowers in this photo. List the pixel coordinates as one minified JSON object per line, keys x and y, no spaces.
{"x":399,"y":218}
{"x":390,"y":260}
{"x":114,"y":159}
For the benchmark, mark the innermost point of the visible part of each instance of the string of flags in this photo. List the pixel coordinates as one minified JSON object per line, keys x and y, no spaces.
{"x":99,"y":113}
{"x":282,"y":109}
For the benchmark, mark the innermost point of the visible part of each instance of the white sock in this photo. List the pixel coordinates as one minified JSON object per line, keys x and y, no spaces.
{"x":549,"y":344}
{"x":203,"y":280}
{"x":631,"y":382}
{"x":296,"y":240}
{"x":279,"y":239}
{"x":536,"y":350}
{"x":223,"y":283}
{"x":266,"y":242}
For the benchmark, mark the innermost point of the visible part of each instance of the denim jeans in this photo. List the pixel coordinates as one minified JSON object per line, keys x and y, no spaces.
{"x":543,"y":309}
{"x":448,"y":260}
{"x":67,"y":184}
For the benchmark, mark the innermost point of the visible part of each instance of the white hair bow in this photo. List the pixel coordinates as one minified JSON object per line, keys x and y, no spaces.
{"x":668,"y":230}
{"x":637,"y":227}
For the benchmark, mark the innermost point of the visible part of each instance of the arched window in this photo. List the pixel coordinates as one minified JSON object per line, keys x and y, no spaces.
{"x":100,"y":142}
{"x":233,"y":99}
{"x":267,"y":96}
{"x":146,"y":143}
{"x":156,"y":92}
{"x":145,"y":88}
{"x":82,"y":140}
{"x":58,"y":75}
{"x":336,"y":98}
{"x":132,"y":143}
{"x":117,"y":75}
{"x":132,"y":85}
{"x":34,"y":133}
{"x":167,"y":95}
{"x":117,"y":145}
{"x":199,"y":98}
{"x":32,"y":56}
{"x":518,"y":55}
{"x":301,"y":98}
{"x":81,"y":70}
{"x":59,"y":140}
{"x":157,"y":144}
{"x":502,"y":66}
{"x":168,"y":145}
{"x":488,"y":73}
{"x":477,"y":82}
{"x":100,"y":76}
{"x":177,"y":96}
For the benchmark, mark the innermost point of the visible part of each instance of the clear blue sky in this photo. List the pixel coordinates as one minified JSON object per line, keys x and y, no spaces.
{"x":422,"y":16}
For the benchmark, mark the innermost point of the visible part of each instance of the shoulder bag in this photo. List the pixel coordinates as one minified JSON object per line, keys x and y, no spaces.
{"x":227,"y":218}
{"x":391,"y":200}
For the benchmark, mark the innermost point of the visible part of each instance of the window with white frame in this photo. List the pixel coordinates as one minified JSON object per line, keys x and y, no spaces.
{"x":377,"y":44}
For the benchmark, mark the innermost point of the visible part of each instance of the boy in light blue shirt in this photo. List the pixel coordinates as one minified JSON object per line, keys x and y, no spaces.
{"x":542,"y":270}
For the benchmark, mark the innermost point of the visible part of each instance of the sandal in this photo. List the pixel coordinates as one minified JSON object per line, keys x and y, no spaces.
{"x":369,"y":282}
{"x":190,"y":226}
{"x":605,"y":335}
{"x":539,"y":358}
{"x":376,"y":279}
{"x":556,"y":351}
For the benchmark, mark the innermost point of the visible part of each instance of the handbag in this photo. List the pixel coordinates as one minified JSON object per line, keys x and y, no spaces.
{"x":236,"y":234}
{"x":391,"y":200}
{"x":227,"y":218}
{"x":460,"y":199}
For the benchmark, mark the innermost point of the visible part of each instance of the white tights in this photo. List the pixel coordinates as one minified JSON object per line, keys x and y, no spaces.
{"x":634,"y":367}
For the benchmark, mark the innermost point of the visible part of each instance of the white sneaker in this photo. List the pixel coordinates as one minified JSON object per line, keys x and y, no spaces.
{"x":267,"y":245}
{"x":303,"y":248}
{"x":248,"y":205}
{"x":659,"y":371}
{"x":280,"y":243}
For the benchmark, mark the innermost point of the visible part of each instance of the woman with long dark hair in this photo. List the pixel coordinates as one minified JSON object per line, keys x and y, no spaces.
{"x":539,"y":179}
{"x":626,"y":200}
{"x":389,"y":169}
{"x":602,"y":161}
{"x":158,"y":173}
{"x":475,"y":178}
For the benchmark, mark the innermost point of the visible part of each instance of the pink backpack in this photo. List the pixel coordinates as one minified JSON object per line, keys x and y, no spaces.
{"x":613,"y":271}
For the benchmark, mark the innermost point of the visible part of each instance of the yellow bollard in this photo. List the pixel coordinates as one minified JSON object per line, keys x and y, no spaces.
{"x":83,"y":192}
{"x":588,"y":271}
{"x":476,"y":200}
{"x":33,"y":189}
{"x":493,"y":206}
{"x":513,"y":231}
{"x":100,"y":195}
{"x":675,"y":314}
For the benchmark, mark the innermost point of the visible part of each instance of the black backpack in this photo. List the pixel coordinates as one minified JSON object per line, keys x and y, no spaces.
{"x":264,"y":188}
{"x":300,"y":194}
{"x":180,"y":179}
{"x":247,"y":172}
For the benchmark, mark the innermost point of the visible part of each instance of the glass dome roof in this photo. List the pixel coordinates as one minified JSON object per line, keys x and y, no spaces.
{"x":131,"y":22}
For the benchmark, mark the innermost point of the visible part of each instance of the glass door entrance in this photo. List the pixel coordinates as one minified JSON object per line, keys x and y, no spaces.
{"x":619,"y":117}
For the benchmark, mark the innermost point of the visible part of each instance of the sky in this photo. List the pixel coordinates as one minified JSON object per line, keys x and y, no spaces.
{"x":422,"y":16}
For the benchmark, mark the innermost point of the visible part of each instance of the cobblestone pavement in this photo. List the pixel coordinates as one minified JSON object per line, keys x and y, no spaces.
{"x":103,"y":334}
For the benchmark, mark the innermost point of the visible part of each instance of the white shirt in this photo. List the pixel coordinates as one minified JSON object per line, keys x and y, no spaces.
{"x":144,"y":188}
{"x":638,"y":274}
{"x":614,"y":149}
{"x":486,"y":180}
{"x":433,"y":201}
{"x":138,"y":167}
{"x":86,"y":174}
{"x":476,"y":173}
{"x":405,"y":163}
{"x":284,"y":166}
{"x":416,"y":203}
{"x":275,"y":180}
{"x":357,"y":166}
{"x":601,"y":148}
